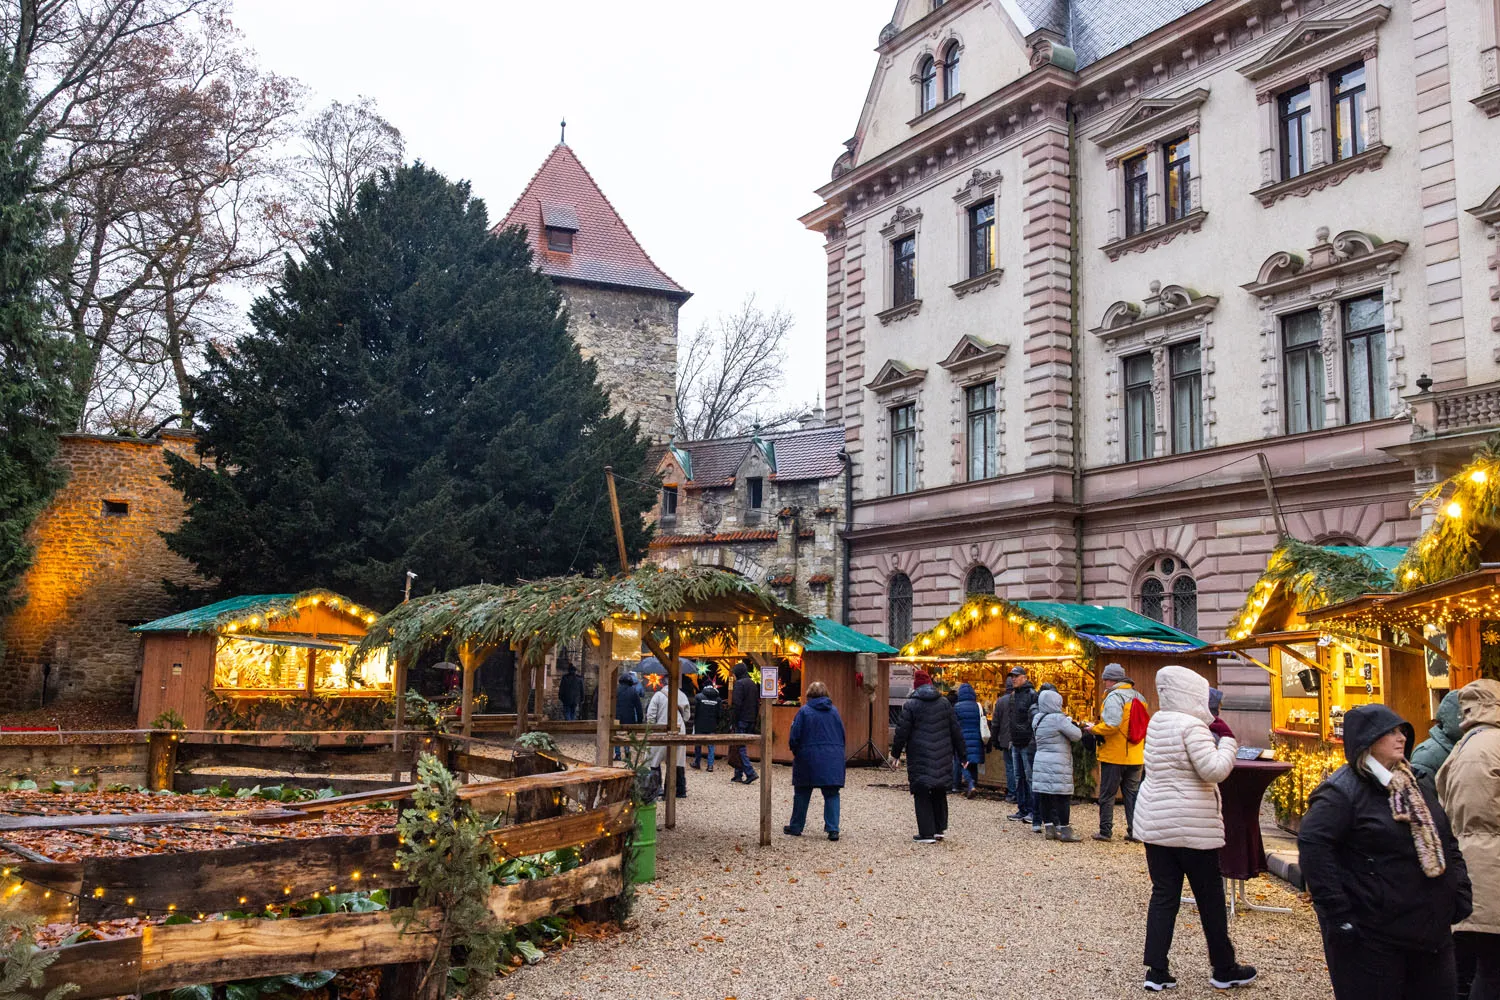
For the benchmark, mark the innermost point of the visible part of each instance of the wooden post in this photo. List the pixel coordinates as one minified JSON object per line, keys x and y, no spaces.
{"x":614,"y":507}
{"x":161,"y":760}
{"x":467,"y":659}
{"x":399,"y":688}
{"x":674,"y":684}
{"x":604,"y":699}
{"x":523,"y":688}
{"x":765,"y":771}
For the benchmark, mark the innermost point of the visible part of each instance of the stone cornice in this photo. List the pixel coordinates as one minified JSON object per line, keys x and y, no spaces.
{"x":1488,"y":102}
{"x":1143,"y":322}
{"x":946,"y":104}
{"x":895,"y":375}
{"x":1488,"y":211}
{"x":923,"y":24}
{"x":978,"y":283}
{"x":1148,"y":118}
{"x":896,"y":314}
{"x":1315,"y":40}
{"x":971,"y":351}
{"x":1348,"y":252}
{"x":1156,"y":235}
{"x":1328,"y":175}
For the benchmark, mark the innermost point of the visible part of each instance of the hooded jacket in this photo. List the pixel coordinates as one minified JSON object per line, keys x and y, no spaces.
{"x":1469,"y":787}
{"x":1000,"y":724}
{"x":1114,"y":727}
{"x":628,"y":708}
{"x":968,"y":711}
{"x":929,"y":733}
{"x":1431,"y":752}
{"x":1179,"y":800}
{"x":817,"y":743}
{"x":706,"y":710}
{"x":1361,"y":864}
{"x":1055,"y":734}
{"x":1023,"y":700}
{"x":570,"y":688}
{"x":656,"y":715}
{"x":744,"y":699}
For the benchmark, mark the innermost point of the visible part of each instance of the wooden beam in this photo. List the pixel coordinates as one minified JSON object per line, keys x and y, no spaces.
{"x":604,"y":699}
{"x":568,"y":830}
{"x":531,"y":900}
{"x":1289,"y":651}
{"x":469,"y":660}
{"x":281,"y":815}
{"x":765,"y":771}
{"x":399,"y":723}
{"x":614,"y":510}
{"x":390,"y":794}
{"x":673,"y":666}
{"x":292,"y":760}
{"x":1250,"y":659}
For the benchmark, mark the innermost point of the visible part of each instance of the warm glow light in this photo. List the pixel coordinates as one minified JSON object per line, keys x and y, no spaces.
{"x":1478,"y":475}
{"x":1455,"y":509}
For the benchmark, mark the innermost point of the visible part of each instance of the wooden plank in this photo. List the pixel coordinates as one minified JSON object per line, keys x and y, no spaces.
{"x":72,"y":759}
{"x":220,"y":950}
{"x":569,"y":830}
{"x":149,"y":819}
{"x":489,"y":767}
{"x":527,"y":901}
{"x":187,"y":782}
{"x":322,"y":760}
{"x":498,"y":796}
{"x":46,"y":891}
{"x":691,"y":739}
{"x":237,"y":877}
{"x":97,"y":968}
{"x":386,"y":793}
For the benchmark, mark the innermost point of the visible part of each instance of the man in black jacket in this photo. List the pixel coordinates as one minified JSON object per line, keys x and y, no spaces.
{"x":1023,"y":700}
{"x":745,"y":704}
{"x":1387,"y":890}
{"x":706,"y":720}
{"x":1000,"y":738}
{"x":929,"y":732}
{"x":570,"y":691}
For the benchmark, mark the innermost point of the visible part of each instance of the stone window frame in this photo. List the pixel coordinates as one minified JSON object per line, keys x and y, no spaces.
{"x":1170,"y":315}
{"x":1144,"y":128}
{"x":971,"y":362}
{"x":942,"y":100}
{"x":1488,"y":99}
{"x":896,"y":384}
{"x":1346,"y":266}
{"x":1149,"y":569}
{"x":982,"y":185}
{"x":1488,"y":213}
{"x":1307,"y":53}
{"x":904,"y":222}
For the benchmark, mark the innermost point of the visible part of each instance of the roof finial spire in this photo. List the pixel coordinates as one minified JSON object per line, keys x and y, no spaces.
{"x":562,"y":140}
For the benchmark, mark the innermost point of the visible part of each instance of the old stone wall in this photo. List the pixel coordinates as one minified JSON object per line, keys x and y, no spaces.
{"x":97,"y":570}
{"x":632,"y":337}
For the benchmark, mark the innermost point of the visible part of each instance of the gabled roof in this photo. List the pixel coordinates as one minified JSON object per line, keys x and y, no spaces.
{"x":1095,"y":28}
{"x":828,"y":636}
{"x":797,"y":455}
{"x":563,"y":195}
{"x":1100,"y":621}
{"x":212,"y":617}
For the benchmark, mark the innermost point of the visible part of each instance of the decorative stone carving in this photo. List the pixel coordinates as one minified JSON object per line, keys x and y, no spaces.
{"x":1156,"y":236}
{"x":1148,"y":119}
{"x":971,"y":351}
{"x":895,"y":375}
{"x":1331,"y":175}
{"x":888,"y":32}
{"x":904,"y":218}
{"x":1312,"y":45}
{"x":1488,"y":212}
{"x":981,"y":183}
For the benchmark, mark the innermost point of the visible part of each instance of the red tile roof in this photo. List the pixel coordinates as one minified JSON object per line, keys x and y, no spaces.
{"x":665,"y":541}
{"x":820,"y":579}
{"x":563,"y":194}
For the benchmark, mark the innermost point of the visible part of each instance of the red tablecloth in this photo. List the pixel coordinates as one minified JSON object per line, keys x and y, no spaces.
{"x":1244,"y":853}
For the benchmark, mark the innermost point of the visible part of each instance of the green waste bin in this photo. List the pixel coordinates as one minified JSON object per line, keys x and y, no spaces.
{"x":643,"y":859}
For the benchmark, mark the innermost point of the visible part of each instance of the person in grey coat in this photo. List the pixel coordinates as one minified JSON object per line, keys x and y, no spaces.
{"x":1434,"y":750}
{"x":1052,"y":774}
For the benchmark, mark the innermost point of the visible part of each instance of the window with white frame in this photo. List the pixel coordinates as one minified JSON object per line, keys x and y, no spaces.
{"x":979,"y":409}
{"x":1365,"y":396}
{"x":950,"y":71}
{"x":904,"y":270}
{"x":927,"y":85}
{"x":1302,"y":362}
{"x":1320,"y":107}
{"x":1186,"y":363}
{"x":981,"y":238}
{"x":1136,"y":173}
{"x":1177,"y":169}
{"x":1140,"y":408}
{"x":903,"y":448}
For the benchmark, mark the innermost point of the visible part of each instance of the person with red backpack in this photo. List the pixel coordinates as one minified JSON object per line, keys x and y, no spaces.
{"x":1122,"y":750}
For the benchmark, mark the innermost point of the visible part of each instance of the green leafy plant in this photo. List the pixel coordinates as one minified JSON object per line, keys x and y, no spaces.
{"x":424,"y":714}
{"x":25,"y":964}
{"x":169,"y":720}
{"x":450,"y":857}
{"x":537,"y":741}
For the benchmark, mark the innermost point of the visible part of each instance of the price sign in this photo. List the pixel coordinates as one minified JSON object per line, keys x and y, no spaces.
{"x":768,"y":685}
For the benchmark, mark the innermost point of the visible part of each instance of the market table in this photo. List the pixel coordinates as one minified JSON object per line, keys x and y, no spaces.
{"x":1243,"y":855}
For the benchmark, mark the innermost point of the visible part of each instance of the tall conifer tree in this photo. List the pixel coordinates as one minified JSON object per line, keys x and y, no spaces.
{"x":409,"y":398}
{"x":36,"y":400}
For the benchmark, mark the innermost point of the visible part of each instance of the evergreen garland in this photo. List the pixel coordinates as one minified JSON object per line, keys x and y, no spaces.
{"x":25,"y":965}
{"x":1316,"y":576}
{"x":1468,"y":513}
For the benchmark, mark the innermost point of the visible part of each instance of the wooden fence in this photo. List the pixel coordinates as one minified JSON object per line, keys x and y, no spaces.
{"x":549,"y":806}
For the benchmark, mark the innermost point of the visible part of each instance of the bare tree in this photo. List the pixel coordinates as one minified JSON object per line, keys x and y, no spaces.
{"x":730,"y":371}
{"x":342,"y":145}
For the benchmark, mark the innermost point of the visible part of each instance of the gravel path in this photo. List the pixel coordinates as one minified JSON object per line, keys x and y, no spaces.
{"x":995,"y":912}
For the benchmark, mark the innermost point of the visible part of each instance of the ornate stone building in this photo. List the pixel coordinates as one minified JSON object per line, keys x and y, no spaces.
{"x":622,"y":308}
{"x":1099,"y":272}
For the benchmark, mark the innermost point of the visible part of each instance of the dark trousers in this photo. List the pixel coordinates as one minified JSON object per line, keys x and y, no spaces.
{"x":681,"y":781}
{"x":1168,"y":866}
{"x":1365,"y":970}
{"x":698,"y":755}
{"x":1010,"y":775}
{"x":1055,"y":809}
{"x":1112,"y":778}
{"x":932,"y":810}
{"x":570,"y":712}
{"x":1477,"y":958}
{"x":1025,"y":800}
{"x":739,"y":755}
{"x":965,"y":774}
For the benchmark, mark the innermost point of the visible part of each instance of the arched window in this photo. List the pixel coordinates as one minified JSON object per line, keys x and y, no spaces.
{"x":979,"y":581}
{"x":927,"y":85}
{"x":898,"y":610}
{"x":950,"y":72}
{"x":1168,"y":593}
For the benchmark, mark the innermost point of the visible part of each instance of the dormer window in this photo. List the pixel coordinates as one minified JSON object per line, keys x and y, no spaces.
{"x":559,"y":224}
{"x":559,"y":240}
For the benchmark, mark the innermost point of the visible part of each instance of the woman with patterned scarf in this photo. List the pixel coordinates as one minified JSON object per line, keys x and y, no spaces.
{"x":1383,"y":868}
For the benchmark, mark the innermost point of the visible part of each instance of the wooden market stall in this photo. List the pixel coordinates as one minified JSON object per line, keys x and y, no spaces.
{"x":257,"y":648}
{"x":1063,"y":644}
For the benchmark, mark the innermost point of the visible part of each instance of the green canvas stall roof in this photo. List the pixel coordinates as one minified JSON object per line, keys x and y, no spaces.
{"x":828,"y":636}
{"x":209,"y":617}
{"x":1386,"y":557}
{"x":1100,"y":620}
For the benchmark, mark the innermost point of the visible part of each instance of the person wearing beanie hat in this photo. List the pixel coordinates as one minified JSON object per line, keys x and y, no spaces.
{"x":1383,"y":867}
{"x":1120,"y":761}
{"x":1023,"y":700}
{"x":929,"y":734}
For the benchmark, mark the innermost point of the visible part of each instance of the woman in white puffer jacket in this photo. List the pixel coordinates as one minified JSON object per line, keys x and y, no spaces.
{"x":1179,"y":817}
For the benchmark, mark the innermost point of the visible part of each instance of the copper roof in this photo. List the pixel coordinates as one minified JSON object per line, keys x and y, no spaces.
{"x":562,"y":195}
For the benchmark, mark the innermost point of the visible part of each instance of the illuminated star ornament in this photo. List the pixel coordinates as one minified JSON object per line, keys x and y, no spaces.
{"x":1491,"y":635}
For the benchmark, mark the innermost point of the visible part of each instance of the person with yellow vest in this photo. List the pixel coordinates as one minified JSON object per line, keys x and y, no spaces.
{"x":1120,"y":761}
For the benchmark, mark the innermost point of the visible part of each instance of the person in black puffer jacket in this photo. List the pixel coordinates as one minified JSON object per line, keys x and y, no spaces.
{"x":1023,"y":700}
{"x":1387,"y":888}
{"x":706,"y":720}
{"x":744,"y":703}
{"x":929,"y":733}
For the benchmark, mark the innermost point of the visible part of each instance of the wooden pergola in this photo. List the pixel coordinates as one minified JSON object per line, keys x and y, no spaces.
{"x":661,"y":605}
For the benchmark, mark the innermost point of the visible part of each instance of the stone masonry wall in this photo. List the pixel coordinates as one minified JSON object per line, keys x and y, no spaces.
{"x":632,"y":337}
{"x":97,"y":570}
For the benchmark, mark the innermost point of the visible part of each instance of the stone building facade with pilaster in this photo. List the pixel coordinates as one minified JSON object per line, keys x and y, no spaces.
{"x":1099,"y":271}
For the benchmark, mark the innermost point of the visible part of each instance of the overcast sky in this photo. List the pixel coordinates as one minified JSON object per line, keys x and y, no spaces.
{"x":708,"y":125}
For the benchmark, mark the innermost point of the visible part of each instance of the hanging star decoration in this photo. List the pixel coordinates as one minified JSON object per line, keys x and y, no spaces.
{"x":1491,"y":635}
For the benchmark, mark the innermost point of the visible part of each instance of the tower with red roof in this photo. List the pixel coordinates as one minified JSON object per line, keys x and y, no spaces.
{"x":622,"y":307}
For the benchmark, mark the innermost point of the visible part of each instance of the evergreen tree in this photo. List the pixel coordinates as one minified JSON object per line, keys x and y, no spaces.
{"x":36,"y":400}
{"x":409,"y":398}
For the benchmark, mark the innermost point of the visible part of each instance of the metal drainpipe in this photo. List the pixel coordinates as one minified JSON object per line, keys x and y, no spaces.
{"x":848,"y":461}
{"x":1075,"y":366}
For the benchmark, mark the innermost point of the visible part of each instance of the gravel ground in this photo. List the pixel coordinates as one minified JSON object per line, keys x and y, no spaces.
{"x":994,"y":912}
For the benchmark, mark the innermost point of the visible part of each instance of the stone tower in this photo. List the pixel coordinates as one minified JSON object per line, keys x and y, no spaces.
{"x":622,"y":308}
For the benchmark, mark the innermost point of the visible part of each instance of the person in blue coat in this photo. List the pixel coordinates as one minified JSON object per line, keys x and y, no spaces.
{"x":817,"y":742}
{"x":968,"y":711}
